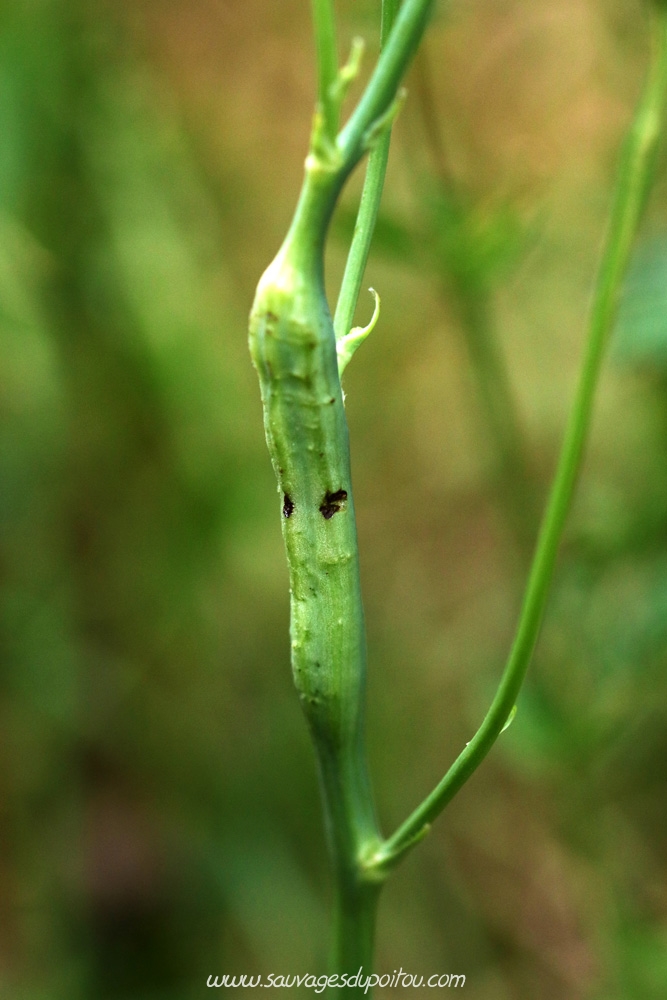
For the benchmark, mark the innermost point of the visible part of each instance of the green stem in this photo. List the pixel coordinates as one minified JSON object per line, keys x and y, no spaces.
{"x":368,"y":208}
{"x":632,"y":185}
{"x":293,"y":346}
{"x":352,"y":835}
{"x":389,"y":71}
{"x":354,"y":933}
{"x":294,"y":350}
{"x":324,"y":24}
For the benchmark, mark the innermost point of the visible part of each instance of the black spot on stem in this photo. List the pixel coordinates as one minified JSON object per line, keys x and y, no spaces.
{"x":332,"y":503}
{"x":288,"y":506}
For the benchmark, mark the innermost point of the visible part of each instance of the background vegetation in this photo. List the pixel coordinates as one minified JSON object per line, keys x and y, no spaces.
{"x":160,"y":814}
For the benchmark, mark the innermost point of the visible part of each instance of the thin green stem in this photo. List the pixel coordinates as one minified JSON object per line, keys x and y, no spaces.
{"x":324,"y":23}
{"x":354,"y":933}
{"x":352,"y":835}
{"x":386,"y":77}
{"x":368,"y":208}
{"x":634,"y":176}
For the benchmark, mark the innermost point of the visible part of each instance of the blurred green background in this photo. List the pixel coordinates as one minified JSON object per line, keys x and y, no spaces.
{"x":160,"y":813}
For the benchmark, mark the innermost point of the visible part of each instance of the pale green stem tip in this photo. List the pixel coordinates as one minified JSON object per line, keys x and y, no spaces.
{"x":347,"y":345}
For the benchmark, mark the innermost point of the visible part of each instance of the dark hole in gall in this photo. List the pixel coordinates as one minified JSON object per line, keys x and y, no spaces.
{"x":288,"y":506}
{"x":332,"y":503}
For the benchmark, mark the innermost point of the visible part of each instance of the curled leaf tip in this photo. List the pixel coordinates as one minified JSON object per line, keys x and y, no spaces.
{"x":347,"y":345}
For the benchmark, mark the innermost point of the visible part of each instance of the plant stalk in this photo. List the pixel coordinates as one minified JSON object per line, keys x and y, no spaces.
{"x":369,"y":206}
{"x":324,"y":25}
{"x":294,"y":350}
{"x":633,"y":181}
{"x":293,"y":347}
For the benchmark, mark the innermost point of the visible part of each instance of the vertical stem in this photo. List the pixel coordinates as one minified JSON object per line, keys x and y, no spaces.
{"x":352,"y":835}
{"x":413,"y":16}
{"x":354,"y":933}
{"x":327,"y":62}
{"x":368,"y":208}
{"x":293,"y":347}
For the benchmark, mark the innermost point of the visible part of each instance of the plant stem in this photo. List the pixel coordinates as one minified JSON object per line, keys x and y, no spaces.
{"x":293,"y":346}
{"x":368,"y":208}
{"x":381,"y":90}
{"x":634,"y":176}
{"x":355,"y":916}
{"x":352,"y":835}
{"x":327,"y":63}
